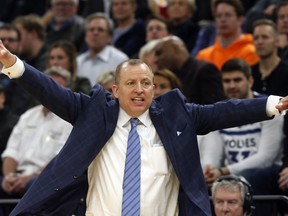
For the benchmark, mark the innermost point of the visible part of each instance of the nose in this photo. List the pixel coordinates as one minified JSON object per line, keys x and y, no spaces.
{"x":138,"y":88}
{"x":225,"y":207}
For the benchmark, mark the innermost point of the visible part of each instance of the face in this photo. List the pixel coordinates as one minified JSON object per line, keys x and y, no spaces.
{"x":122,"y":9}
{"x":156,"y":29}
{"x":26,"y":36}
{"x":265,"y":41}
{"x":57,"y":57}
{"x":10,"y":40}
{"x":178,"y":10}
{"x":162,"y":85}
{"x":282,"y":20}
{"x":97,"y":34}
{"x":63,"y":9}
{"x":227,"y":203}
{"x":226,"y":20}
{"x":135,"y":89}
{"x":164,"y":56}
{"x":236,"y":85}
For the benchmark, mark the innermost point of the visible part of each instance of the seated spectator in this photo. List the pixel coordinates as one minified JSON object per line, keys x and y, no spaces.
{"x":17,"y":99}
{"x":235,"y":150}
{"x":107,"y":80}
{"x":180,"y":13}
{"x":8,"y":120}
{"x":230,"y":42}
{"x":232,"y":195}
{"x":271,"y":73}
{"x":10,"y":37}
{"x":129,"y":34}
{"x":63,"y":54}
{"x":156,"y":28}
{"x":65,"y":24}
{"x":100,"y":56}
{"x":32,"y":40}
{"x":35,"y":140}
{"x":201,"y":80}
{"x":164,"y":81}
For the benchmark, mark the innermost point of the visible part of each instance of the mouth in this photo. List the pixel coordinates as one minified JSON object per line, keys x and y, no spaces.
{"x":138,"y":100}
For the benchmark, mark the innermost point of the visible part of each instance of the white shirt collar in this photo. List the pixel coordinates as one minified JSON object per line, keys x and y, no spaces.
{"x":124,"y":118}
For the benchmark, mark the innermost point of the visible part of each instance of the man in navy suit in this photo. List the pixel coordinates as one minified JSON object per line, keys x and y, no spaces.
{"x":86,"y":177}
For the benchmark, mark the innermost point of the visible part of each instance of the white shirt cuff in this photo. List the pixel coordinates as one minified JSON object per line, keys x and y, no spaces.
{"x":16,"y":70}
{"x":271,"y":110}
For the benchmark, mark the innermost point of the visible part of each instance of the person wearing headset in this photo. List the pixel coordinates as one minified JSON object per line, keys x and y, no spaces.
{"x":232,"y":195}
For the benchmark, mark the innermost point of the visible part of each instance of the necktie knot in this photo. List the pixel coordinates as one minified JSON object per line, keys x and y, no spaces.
{"x":134,"y":122}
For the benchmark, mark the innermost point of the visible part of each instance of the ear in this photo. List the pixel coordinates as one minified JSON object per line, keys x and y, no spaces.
{"x":115,"y":91}
{"x":251,"y":81}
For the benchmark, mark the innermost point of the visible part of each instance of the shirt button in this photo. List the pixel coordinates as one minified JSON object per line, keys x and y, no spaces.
{"x":75,"y":177}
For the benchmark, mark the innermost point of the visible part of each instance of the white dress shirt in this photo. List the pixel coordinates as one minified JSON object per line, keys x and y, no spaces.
{"x":159,"y":184}
{"x":105,"y":61}
{"x":36,"y":139}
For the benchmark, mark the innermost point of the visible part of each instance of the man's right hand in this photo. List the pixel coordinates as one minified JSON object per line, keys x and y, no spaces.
{"x":7,"y":59}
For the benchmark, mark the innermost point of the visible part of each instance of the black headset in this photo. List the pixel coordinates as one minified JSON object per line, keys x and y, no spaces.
{"x":248,"y":206}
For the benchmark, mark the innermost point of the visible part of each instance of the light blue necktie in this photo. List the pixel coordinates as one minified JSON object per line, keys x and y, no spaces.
{"x":131,"y":182}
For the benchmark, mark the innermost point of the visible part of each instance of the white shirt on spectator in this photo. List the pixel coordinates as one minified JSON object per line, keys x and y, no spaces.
{"x":105,"y":61}
{"x":36,"y":139}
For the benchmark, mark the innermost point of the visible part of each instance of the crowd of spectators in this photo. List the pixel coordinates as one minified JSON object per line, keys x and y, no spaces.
{"x":186,"y":43}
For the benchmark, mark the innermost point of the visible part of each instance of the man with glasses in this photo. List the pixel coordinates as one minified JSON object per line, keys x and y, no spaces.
{"x":10,"y":37}
{"x":100,"y":56}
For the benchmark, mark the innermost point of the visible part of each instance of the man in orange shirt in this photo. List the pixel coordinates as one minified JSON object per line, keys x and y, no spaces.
{"x":230,"y":42}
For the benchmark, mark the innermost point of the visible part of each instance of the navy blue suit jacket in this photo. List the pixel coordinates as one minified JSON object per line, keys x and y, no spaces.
{"x":63,"y":183}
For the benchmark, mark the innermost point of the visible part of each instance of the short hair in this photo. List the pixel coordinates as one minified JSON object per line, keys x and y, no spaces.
{"x":100,"y":15}
{"x":231,"y":185}
{"x":172,"y":78}
{"x":11,"y":27}
{"x":59,"y":71}
{"x":132,"y":62}
{"x":32,"y":22}
{"x":70,"y":50}
{"x":236,"y":4}
{"x":237,"y":64}
{"x":106,"y":77}
{"x":190,"y":3}
{"x":266,"y":22}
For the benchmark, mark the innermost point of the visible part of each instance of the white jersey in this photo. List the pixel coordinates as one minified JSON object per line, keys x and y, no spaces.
{"x":256,"y":145}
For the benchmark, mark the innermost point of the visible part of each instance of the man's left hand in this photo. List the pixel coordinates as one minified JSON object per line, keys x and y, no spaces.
{"x":283,"y":104}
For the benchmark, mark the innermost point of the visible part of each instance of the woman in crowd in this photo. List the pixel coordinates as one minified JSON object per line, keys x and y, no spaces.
{"x":63,"y":54}
{"x":164,"y":81}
